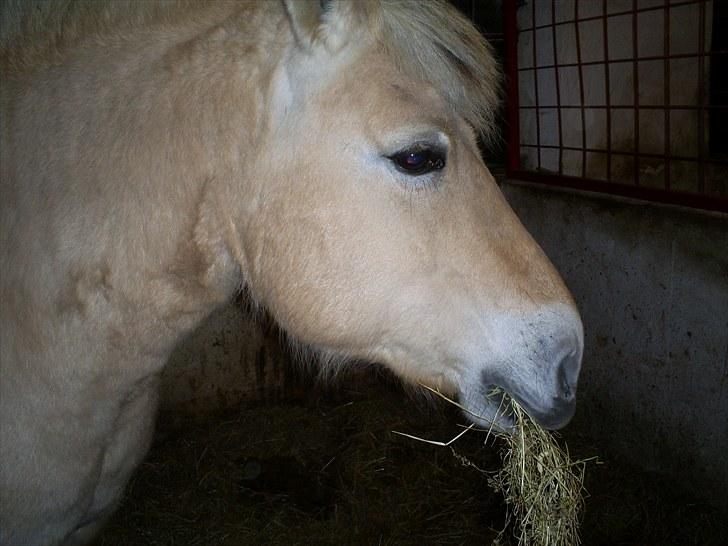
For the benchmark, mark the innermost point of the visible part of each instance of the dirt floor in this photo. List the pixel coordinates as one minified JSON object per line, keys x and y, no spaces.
{"x":327,"y":469}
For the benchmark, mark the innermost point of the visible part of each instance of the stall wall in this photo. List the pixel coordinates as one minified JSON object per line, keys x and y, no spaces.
{"x":651,"y":283}
{"x":233,"y":357}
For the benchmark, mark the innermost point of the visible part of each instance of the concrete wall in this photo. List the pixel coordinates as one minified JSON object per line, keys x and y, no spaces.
{"x":231,"y":358}
{"x":652,"y":286}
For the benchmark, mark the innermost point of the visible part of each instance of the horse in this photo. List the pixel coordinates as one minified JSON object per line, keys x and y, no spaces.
{"x":320,"y":155}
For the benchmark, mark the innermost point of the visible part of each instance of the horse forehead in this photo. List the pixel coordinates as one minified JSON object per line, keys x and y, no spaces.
{"x":374,"y":78}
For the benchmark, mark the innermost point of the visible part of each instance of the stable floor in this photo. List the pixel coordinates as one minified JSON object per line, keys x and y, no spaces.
{"x":327,"y":469}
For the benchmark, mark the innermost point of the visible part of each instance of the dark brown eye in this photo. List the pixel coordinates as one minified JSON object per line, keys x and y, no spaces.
{"x":419,"y":161}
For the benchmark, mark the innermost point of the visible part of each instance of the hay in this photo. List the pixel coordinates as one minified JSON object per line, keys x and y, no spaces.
{"x":324,"y":470}
{"x":541,"y":485}
{"x":332,"y":473}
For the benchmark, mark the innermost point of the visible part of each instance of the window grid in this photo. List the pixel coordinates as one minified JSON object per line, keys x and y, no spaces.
{"x":650,"y":161}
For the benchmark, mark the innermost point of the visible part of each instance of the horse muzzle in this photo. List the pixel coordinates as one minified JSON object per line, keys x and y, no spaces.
{"x":551,"y":401}
{"x":536,"y":361}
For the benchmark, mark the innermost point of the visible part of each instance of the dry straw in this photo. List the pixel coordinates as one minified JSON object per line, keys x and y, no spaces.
{"x":543,"y":488}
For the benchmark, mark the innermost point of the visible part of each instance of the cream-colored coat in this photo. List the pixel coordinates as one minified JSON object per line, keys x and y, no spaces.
{"x":156,"y":159}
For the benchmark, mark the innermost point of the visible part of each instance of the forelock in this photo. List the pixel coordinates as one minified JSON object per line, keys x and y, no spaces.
{"x":433,"y":42}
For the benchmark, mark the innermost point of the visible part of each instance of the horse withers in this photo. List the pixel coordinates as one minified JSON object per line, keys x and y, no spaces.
{"x":157,"y":157}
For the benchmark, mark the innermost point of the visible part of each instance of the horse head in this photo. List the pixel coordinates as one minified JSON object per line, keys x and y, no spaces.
{"x":378,"y":232}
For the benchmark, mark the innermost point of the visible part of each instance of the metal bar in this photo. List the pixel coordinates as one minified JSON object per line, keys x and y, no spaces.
{"x":701,"y":101}
{"x":666,"y":85}
{"x":615,"y":14}
{"x":617,"y":152}
{"x":716,"y":131}
{"x":692,"y":200}
{"x":558,"y":90}
{"x":607,"y":89}
{"x":636,"y":96}
{"x":581,"y":89}
{"x":513,"y":135}
{"x":535,"y":82}
{"x":645,"y":58}
{"x":641,"y":107}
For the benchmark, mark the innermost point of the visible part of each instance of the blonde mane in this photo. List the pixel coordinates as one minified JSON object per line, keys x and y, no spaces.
{"x":435,"y":43}
{"x":429,"y":40}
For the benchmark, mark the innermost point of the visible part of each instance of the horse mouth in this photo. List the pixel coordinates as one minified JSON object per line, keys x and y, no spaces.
{"x":488,"y":407}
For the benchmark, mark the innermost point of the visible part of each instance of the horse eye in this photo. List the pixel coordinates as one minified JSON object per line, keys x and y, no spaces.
{"x":419,"y":161}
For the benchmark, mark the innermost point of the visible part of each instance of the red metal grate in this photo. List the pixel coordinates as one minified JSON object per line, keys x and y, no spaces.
{"x":617,"y":97}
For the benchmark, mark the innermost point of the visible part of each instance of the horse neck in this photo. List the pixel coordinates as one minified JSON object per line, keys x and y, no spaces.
{"x":217,"y":81}
{"x":169,"y":116}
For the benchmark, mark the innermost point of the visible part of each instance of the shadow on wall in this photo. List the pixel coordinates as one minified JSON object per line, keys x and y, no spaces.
{"x":231,"y":358}
{"x":239,"y":357}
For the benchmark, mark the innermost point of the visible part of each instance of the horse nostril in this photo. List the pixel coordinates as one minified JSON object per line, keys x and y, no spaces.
{"x":566,"y":388}
{"x":568,"y":375}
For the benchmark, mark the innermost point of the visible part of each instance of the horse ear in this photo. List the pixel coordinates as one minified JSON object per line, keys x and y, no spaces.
{"x":305,"y":16}
{"x":325,"y":22}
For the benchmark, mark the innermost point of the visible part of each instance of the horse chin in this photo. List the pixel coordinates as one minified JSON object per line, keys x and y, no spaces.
{"x":488,"y":408}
